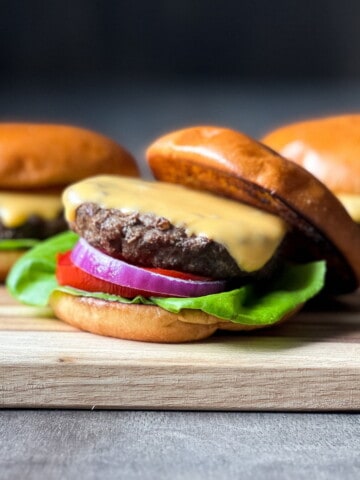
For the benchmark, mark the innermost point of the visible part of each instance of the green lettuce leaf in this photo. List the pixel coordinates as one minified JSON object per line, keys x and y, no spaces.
{"x":32,"y":280}
{"x":18,"y":243}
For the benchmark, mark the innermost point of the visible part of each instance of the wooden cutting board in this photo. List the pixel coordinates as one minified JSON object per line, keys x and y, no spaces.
{"x":310,"y":363}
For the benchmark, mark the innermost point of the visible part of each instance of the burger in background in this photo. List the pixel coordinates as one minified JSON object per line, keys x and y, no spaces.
{"x":37,"y":161}
{"x":329,"y":148}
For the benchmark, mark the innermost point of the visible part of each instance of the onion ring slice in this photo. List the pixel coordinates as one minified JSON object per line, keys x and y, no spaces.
{"x":119,"y":272}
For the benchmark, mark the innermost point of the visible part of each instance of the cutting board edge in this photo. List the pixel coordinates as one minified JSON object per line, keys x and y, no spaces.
{"x":179,"y":388}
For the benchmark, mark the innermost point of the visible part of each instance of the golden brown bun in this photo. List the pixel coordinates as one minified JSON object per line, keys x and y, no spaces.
{"x":45,"y":158}
{"x":145,"y":323}
{"x":7,"y":260}
{"x":329,"y":148}
{"x":230,"y":163}
{"x":33,"y":156}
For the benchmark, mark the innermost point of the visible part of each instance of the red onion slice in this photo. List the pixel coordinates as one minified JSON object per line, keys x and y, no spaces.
{"x":101,"y":265}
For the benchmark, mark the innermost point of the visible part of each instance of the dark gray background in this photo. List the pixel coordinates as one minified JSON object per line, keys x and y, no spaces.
{"x":279,"y":39}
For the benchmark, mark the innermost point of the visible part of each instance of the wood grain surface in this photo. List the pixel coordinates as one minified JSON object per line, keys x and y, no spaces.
{"x":312,"y":362}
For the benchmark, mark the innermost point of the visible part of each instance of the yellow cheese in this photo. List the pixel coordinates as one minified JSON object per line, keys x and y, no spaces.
{"x":16,"y":208}
{"x":251,"y":236}
{"x":352,"y":204}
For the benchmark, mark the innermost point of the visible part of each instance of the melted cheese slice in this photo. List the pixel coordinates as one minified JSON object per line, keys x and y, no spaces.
{"x":16,"y":208}
{"x":351,"y":203}
{"x":251,"y":236}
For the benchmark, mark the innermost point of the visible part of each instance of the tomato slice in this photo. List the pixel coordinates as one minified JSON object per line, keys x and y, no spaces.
{"x":68,"y":274}
{"x":177,"y":274}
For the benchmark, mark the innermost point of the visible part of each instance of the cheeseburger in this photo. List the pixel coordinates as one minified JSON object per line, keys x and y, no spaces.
{"x":36,"y":163}
{"x":204,"y":247}
{"x":329,"y":148}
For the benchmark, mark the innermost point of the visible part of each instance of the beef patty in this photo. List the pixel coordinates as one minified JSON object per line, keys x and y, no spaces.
{"x":151,"y":241}
{"x":34,"y":227}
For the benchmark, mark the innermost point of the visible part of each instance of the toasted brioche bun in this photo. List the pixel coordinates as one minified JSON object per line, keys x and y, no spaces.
{"x":42,"y":158}
{"x":36,"y":156}
{"x":145,"y":323}
{"x":329,"y":148}
{"x":229,"y":163}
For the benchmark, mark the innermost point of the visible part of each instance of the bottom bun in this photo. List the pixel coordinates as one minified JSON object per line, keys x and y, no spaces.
{"x":7,"y":260}
{"x":146,"y":323}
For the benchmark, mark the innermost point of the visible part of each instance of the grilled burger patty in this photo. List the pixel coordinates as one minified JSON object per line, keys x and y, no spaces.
{"x":152,"y":241}
{"x":35,"y":227}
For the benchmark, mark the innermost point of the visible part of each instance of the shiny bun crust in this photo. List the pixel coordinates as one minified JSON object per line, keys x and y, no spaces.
{"x":144,"y":323}
{"x":229,"y":163}
{"x":7,"y":260}
{"x":329,"y":148}
{"x":35,"y":156}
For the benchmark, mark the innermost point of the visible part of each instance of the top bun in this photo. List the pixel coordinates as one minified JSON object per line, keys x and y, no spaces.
{"x":329,"y":148}
{"x":35,"y":156}
{"x":231,"y":164}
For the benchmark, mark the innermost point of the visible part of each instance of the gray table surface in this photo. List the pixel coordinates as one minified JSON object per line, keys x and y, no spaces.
{"x":55,"y":444}
{"x":178,"y":445}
